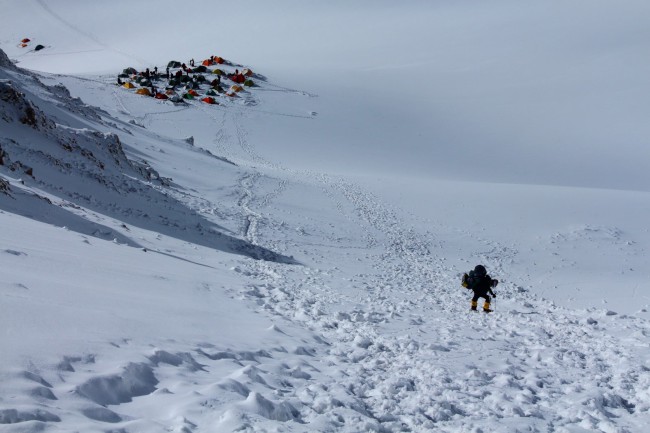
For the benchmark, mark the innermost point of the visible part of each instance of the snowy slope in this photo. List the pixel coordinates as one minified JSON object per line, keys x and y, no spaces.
{"x":245,"y":280}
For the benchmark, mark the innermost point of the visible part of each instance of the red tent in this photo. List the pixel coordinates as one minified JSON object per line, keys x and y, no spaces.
{"x":239,"y":78}
{"x":209,"y":100}
{"x":161,"y":96}
{"x":24,"y":41}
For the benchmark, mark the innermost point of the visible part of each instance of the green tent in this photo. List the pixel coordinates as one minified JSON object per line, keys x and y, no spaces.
{"x":188,"y":96}
{"x":249,"y":83}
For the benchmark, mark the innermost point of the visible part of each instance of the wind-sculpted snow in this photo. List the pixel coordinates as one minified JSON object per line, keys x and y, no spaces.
{"x":134,"y":381}
{"x":13,"y":416}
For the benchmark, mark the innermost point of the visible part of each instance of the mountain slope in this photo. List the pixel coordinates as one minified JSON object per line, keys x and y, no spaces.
{"x":289,"y":260}
{"x":370,"y":333}
{"x":75,"y":153}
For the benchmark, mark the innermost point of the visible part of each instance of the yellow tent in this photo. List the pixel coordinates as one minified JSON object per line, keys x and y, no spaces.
{"x":128,"y":85}
{"x":143,"y":91}
{"x":218,"y":72}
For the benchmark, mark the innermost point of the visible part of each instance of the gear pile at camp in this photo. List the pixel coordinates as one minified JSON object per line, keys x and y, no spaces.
{"x":208,"y":81}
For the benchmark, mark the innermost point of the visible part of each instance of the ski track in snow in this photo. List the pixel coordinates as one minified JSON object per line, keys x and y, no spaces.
{"x":251,"y":218}
{"x":393,"y":348}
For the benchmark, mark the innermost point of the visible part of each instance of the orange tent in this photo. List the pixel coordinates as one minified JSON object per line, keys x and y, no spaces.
{"x":193,"y":92}
{"x":161,"y":96}
{"x":143,"y":91}
{"x":236,"y":88}
{"x":218,"y":60}
{"x":247,"y":72}
{"x":207,"y":62}
{"x":24,"y":41}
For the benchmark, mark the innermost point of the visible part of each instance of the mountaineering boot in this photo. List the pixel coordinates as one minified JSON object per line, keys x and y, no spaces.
{"x":474,"y":305}
{"x":486,"y":307}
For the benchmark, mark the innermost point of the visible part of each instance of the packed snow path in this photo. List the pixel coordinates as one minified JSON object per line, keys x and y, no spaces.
{"x":371,"y":331}
{"x":417,"y":360}
{"x":401,"y":351}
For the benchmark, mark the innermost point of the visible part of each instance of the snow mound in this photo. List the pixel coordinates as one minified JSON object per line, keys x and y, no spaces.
{"x":135,"y":380}
{"x":256,"y":403}
{"x":13,"y":416}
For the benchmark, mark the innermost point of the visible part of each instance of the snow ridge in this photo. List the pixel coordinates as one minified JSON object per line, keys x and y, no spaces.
{"x":87,"y":166}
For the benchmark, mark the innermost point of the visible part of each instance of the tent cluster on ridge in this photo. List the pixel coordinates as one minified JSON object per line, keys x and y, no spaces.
{"x":182,"y":82}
